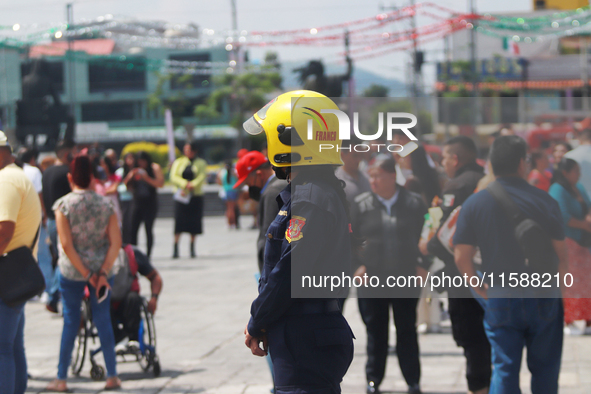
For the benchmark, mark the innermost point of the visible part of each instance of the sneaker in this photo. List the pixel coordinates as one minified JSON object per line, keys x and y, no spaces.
{"x":414,"y":389}
{"x":133,"y":347}
{"x":121,"y":347}
{"x":44,"y":298}
{"x":573,"y":330}
{"x":372,"y":388}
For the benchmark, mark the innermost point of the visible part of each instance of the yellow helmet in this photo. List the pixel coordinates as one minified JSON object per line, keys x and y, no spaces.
{"x":296,"y":129}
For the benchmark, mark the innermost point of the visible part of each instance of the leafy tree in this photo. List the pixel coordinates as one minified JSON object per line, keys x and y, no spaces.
{"x":272,"y":60}
{"x":376,"y":90}
{"x":176,"y":100}
{"x":245,"y":93}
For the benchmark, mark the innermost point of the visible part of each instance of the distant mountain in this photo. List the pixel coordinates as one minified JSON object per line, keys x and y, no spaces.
{"x":363,"y":78}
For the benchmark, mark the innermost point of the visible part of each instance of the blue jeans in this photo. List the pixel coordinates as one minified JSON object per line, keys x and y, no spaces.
{"x":44,"y":258}
{"x":72,"y":294}
{"x":535,"y":323}
{"x":13,"y":363}
{"x":53,"y":286}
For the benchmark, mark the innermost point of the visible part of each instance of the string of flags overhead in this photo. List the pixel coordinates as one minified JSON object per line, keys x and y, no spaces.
{"x":368,"y":37}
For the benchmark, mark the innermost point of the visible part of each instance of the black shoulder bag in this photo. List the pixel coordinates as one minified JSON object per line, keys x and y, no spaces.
{"x":20,"y":276}
{"x":534,"y":241}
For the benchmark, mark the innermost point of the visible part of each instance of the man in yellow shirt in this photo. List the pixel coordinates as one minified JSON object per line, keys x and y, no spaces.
{"x":20,"y":217}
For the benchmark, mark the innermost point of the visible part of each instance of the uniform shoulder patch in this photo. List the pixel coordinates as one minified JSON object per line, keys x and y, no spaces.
{"x":294,"y":231}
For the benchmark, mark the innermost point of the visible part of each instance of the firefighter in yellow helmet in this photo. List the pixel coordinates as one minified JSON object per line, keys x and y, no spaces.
{"x":301,"y":326}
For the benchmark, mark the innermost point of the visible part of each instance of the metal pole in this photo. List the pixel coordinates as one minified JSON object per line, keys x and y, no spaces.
{"x":235,"y":37}
{"x":71,"y":65}
{"x":475,"y":71}
{"x":413,"y":26}
{"x":445,"y":99}
{"x":350,"y":80}
{"x":350,"y":83}
{"x":410,"y":73}
{"x":235,"y":105}
{"x":415,"y":71}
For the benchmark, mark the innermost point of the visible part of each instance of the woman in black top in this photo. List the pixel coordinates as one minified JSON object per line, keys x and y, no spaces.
{"x":126,"y":197}
{"x":144,"y":180}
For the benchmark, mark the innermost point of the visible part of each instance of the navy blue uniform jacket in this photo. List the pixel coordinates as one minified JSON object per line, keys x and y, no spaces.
{"x":309,"y":236}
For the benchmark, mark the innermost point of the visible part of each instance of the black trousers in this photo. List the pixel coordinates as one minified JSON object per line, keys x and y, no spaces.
{"x":127,"y":313}
{"x":144,"y":212}
{"x":126,"y":220}
{"x":468,"y":331}
{"x":310,"y":353}
{"x":375,"y":313}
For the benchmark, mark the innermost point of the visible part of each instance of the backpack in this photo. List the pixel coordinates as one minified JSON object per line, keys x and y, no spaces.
{"x":125,"y":269}
{"x":534,"y":241}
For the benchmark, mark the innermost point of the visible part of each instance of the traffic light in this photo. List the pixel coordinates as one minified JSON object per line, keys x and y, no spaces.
{"x":419,"y":60}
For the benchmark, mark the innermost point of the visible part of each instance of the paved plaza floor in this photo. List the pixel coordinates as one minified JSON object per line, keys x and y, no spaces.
{"x":202,"y":313}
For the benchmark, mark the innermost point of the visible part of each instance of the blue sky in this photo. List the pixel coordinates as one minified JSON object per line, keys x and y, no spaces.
{"x":255,"y":15}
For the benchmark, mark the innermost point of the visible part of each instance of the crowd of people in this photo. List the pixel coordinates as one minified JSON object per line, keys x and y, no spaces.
{"x":399,"y":205}
{"x":130,"y":185}
{"x":93,"y":204}
{"x":72,"y":203}
{"x":557,"y":197}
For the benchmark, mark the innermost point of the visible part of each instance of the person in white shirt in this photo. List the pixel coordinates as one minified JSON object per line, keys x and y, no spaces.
{"x":582,"y":155}
{"x":28,"y":157}
{"x":356,"y":182}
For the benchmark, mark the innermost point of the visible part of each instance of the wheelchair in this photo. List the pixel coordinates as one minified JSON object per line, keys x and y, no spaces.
{"x":146,"y":355}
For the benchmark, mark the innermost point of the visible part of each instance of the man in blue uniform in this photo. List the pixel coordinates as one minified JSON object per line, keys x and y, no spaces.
{"x":309,"y":340}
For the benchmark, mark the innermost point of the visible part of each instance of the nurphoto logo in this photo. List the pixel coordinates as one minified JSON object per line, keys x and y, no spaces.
{"x":344,"y":131}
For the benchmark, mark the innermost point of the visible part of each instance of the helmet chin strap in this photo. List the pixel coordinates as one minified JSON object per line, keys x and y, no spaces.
{"x":283,"y":173}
